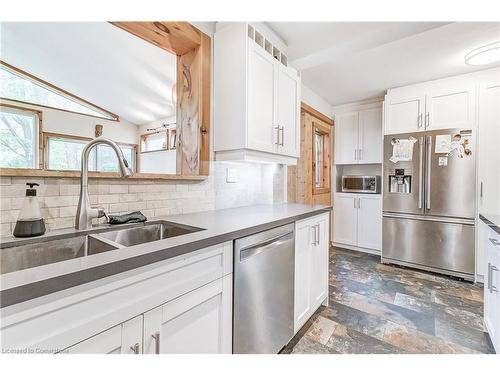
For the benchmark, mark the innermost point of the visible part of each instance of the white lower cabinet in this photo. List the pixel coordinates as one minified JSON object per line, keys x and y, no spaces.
{"x":125,"y":338}
{"x":311,"y":267}
{"x":492,"y":288}
{"x":198,"y":322}
{"x":358,"y":220}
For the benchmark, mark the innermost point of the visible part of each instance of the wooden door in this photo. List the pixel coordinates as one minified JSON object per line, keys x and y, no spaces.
{"x":345,"y":215}
{"x":404,"y":114}
{"x":199,"y":322}
{"x":370,"y":136}
{"x":450,"y":107}
{"x":346,"y":138}
{"x":369,"y":221}
{"x":288,"y":111}
{"x":125,"y":338}
{"x":262,"y":91}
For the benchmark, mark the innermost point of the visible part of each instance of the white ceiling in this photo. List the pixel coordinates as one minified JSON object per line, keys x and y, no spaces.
{"x":350,"y":61}
{"x":98,"y":62}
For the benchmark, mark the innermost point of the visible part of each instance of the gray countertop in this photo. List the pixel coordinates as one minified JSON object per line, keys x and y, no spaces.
{"x":219,"y":226}
{"x":492,"y":220}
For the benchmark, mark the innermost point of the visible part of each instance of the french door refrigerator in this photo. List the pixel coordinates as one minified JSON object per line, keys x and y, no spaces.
{"x":429,"y":202}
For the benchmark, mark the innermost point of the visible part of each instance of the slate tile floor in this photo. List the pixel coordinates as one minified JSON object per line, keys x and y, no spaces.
{"x":377,"y":308}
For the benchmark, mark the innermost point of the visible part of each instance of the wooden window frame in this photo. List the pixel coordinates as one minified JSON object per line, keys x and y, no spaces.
{"x":47,"y":135}
{"x":325,"y":131}
{"x":169,"y":134}
{"x":39,"y":149}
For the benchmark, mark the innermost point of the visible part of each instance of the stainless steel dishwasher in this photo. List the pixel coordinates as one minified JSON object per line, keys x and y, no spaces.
{"x":264,"y":267}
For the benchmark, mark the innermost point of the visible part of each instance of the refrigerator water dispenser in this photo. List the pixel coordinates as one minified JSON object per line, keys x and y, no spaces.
{"x":399,"y":182}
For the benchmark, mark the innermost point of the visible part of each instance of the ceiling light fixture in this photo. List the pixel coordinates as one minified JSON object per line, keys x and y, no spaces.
{"x":487,"y":54}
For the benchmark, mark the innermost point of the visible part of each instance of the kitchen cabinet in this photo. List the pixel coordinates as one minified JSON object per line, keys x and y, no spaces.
{"x":198,"y":322}
{"x":311,"y":267}
{"x":125,"y":338}
{"x":492,"y":288}
{"x":358,"y":220}
{"x":256,"y":98}
{"x":193,"y":293}
{"x":488,"y":176}
{"x":358,"y":136}
{"x":442,"y":104}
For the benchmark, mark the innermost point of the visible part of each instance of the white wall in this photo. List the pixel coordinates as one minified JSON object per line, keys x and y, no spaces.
{"x":55,"y":121}
{"x":317,"y":102}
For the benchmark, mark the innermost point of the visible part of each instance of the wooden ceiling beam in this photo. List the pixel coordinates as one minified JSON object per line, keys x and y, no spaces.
{"x":175,"y":37}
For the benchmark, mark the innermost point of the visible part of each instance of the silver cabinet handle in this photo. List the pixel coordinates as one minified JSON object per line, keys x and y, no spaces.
{"x":427,"y":120}
{"x":354,"y":200}
{"x":135,"y":348}
{"x":481,"y":190}
{"x":359,"y":202}
{"x":277,"y":135}
{"x":156,"y":337}
{"x":317,"y":228}
{"x":489,"y":277}
{"x":355,"y":154}
{"x":492,"y":288}
{"x":420,"y":120}
{"x":495,"y":242}
{"x":314,"y":238}
{"x":428,"y":187}
{"x":282,"y":143}
{"x":420,"y":170}
{"x":360,"y":157}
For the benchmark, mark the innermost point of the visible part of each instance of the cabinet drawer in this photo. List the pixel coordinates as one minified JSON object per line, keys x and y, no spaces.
{"x":64,"y":321}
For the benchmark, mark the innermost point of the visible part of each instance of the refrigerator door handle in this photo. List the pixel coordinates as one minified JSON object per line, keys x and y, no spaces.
{"x":420,"y":171}
{"x":428,"y":187}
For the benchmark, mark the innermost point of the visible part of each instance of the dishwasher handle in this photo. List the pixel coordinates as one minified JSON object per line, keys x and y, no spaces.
{"x":259,"y":247}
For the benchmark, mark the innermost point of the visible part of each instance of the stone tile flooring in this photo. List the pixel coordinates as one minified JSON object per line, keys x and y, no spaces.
{"x":378,"y":308}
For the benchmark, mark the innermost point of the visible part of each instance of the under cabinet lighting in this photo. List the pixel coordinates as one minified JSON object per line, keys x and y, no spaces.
{"x":487,"y":54}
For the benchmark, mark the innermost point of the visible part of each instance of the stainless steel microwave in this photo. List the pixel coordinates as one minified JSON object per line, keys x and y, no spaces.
{"x":361,"y":184}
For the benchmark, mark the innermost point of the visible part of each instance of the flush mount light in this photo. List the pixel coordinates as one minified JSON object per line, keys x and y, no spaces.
{"x":487,"y":54}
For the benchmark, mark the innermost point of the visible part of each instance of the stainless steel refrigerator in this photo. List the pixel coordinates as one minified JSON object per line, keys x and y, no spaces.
{"x":429,"y":202}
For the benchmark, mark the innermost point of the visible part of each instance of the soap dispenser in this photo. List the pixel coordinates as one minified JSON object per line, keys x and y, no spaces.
{"x":30,"y":222}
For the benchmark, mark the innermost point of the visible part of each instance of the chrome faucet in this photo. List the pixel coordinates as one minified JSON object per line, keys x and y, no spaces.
{"x":85,"y":213}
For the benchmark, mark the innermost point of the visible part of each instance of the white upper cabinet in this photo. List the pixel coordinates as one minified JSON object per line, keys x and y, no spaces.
{"x":404,"y":114}
{"x":346,"y":138}
{"x":358,"y":136}
{"x":262,"y":79}
{"x":256,"y":98}
{"x":370,"y":136}
{"x":443,"y":104}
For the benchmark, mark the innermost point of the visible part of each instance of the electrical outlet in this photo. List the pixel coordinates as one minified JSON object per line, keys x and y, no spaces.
{"x":231,"y":175}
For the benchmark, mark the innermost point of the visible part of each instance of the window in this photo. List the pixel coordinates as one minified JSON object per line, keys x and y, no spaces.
{"x":18,"y":138}
{"x":158,"y":141}
{"x":22,"y":87}
{"x":64,"y":153}
{"x":321,"y":158}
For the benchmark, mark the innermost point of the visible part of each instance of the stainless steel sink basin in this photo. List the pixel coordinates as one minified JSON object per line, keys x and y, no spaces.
{"x":148,"y":232}
{"x":19,"y":255}
{"x":38,"y":254}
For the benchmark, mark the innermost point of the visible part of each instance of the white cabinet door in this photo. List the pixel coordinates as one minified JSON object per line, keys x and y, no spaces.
{"x":370,"y":136}
{"x":346,"y":138}
{"x":288,"y":111}
{"x":262,"y":81}
{"x":492,"y":288}
{"x":345,"y":219}
{"x":199,"y":322}
{"x":303,"y":244}
{"x":319,"y":262}
{"x":404,"y":114}
{"x":125,"y":338}
{"x":370,"y":221}
{"x":450,"y":107}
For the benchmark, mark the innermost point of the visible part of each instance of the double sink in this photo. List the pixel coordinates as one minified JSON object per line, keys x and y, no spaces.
{"x":23,"y":254}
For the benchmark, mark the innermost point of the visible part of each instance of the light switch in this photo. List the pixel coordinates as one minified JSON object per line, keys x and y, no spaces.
{"x":231,"y":175}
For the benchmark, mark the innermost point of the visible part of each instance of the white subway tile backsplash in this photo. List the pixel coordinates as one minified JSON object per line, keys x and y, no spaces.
{"x":58,"y":197}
